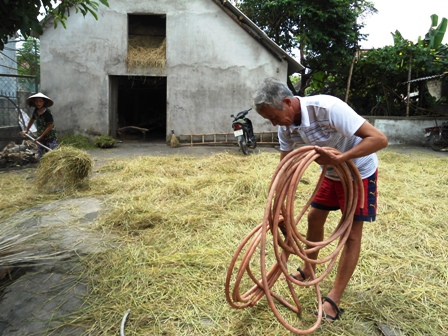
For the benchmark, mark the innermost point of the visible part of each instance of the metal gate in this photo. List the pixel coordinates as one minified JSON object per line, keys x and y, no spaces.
{"x":19,"y":78}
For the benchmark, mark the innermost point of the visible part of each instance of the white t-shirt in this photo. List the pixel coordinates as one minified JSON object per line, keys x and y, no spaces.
{"x":328,"y":122}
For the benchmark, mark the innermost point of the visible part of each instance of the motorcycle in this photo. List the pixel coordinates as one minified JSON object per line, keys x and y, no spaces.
{"x":437,"y":137}
{"x":243,"y":131}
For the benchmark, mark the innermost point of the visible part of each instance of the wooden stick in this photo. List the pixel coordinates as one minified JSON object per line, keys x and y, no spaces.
{"x":29,"y":136}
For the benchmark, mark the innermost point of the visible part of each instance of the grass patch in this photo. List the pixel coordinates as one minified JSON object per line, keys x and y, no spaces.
{"x":104,"y":141}
{"x":180,"y":220}
{"x":76,"y":141}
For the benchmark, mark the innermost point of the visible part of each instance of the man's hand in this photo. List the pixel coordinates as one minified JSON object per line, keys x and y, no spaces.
{"x":328,"y":156}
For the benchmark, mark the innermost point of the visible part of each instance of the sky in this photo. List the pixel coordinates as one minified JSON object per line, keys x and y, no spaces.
{"x":411,"y":18}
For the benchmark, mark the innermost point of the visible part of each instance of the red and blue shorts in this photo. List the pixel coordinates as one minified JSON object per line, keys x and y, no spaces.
{"x":331,"y":197}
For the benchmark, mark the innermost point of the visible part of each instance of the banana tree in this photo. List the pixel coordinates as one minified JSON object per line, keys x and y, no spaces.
{"x":432,"y":41}
{"x":434,"y":37}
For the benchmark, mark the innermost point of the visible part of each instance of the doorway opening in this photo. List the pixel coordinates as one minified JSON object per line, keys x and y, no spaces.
{"x":141,"y":104}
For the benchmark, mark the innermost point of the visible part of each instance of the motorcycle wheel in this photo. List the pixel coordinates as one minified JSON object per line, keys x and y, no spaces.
{"x":243,"y":144}
{"x":436,"y":143}
{"x":253,"y":144}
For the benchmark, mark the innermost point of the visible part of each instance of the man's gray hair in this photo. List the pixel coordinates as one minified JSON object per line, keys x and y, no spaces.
{"x":271,"y":93}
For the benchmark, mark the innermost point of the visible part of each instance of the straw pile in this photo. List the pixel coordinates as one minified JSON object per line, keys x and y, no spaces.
{"x":19,"y":250}
{"x":180,"y":219}
{"x":146,"y":51}
{"x":64,"y":169}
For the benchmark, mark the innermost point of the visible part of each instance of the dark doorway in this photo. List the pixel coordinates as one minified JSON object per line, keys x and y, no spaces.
{"x":141,"y":103}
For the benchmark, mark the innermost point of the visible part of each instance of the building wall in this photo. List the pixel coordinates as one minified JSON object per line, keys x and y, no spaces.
{"x":213,"y":66}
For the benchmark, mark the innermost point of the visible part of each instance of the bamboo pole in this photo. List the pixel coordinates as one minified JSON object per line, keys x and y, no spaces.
{"x":40,"y":144}
{"x":408,"y":101}
{"x":349,"y":80}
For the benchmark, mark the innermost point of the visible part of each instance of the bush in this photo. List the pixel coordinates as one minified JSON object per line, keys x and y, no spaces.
{"x":104,"y":141}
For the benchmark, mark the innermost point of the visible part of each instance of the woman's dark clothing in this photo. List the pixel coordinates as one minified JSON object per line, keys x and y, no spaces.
{"x":42,"y":122}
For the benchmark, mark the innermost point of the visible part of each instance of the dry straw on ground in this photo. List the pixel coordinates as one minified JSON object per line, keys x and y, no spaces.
{"x":180,"y":219}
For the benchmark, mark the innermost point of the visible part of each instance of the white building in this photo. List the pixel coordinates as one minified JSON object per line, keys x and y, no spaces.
{"x":215,"y":59}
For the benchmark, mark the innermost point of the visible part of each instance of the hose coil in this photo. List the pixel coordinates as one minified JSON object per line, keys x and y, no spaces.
{"x":279,"y":217}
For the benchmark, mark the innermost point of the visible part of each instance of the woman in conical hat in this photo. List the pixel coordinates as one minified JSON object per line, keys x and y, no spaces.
{"x":44,"y":122}
{"x":48,"y":101}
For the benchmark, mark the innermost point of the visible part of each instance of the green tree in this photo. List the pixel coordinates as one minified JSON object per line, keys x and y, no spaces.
{"x":28,"y":58}
{"x":23,"y":15}
{"x":326,"y":32}
{"x":381,"y":75}
{"x":28,"y":64}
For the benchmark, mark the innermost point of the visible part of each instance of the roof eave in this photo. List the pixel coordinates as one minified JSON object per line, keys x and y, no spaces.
{"x":259,"y":35}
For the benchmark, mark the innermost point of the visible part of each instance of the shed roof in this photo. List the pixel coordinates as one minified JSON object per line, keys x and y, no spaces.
{"x":243,"y":21}
{"x":426,"y":78}
{"x":258,"y":34}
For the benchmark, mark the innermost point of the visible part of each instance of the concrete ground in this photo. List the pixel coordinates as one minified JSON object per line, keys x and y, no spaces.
{"x":34,"y":300}
{"x":159,"y":148}
{"x":136,"y":148}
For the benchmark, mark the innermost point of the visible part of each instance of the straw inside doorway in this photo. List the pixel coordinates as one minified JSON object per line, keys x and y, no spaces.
{"x":146,"y":51}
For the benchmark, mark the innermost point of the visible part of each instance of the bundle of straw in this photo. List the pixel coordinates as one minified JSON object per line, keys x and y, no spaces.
{"x":174,"y":141}
{"x":13,"y":250}
{"x":65,"y":168}
{"x":16,"y":249}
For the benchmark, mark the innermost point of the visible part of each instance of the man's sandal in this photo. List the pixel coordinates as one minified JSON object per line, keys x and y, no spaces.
{"x":302,"y":274}
{"x":339,"y":311}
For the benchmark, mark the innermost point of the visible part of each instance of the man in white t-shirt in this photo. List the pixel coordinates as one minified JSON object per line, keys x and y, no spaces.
{"x":326,"y":121}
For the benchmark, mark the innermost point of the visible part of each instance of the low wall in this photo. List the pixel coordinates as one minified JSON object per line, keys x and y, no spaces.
{"x":406,"y":131}
{"x":8,"y":134}
{"x":399,"y":130}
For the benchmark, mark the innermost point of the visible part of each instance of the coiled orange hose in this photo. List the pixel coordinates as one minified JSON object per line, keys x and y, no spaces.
{"x":279,"y":215}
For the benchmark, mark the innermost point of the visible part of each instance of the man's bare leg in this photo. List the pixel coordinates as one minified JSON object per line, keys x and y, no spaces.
{"x":347,"y":264}
{"x":315,"y":233}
